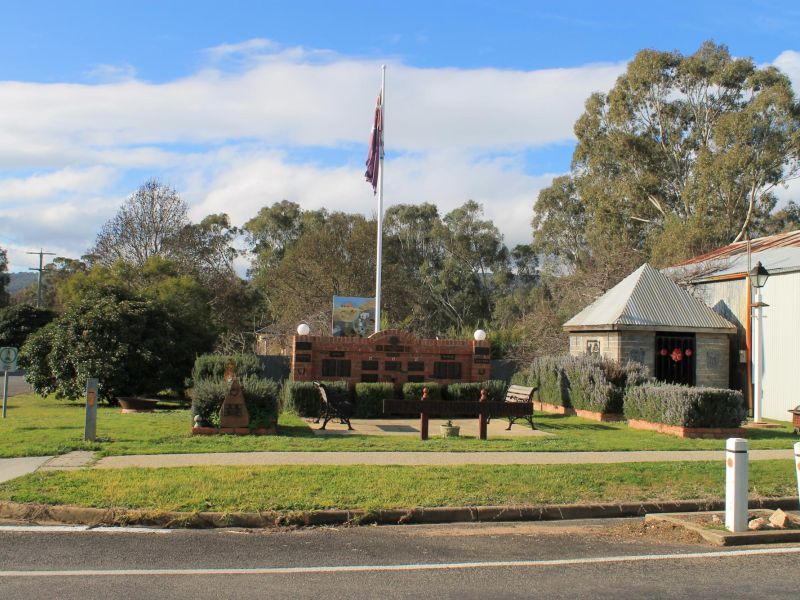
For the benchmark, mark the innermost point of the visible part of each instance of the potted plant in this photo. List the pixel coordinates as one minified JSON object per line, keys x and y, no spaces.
{"x":449,"y":430}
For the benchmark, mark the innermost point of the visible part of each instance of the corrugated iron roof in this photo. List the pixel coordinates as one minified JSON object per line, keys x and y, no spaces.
{"x":781,"y":240}
{"x":648,"y":298}
{"x":778,"y":253}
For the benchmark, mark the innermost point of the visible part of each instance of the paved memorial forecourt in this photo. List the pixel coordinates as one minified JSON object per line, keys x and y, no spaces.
{"x":410,"y":427}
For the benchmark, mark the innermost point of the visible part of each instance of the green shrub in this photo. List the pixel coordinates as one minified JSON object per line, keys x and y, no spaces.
{"x":495,"y":390}
{"x":547,"y":374}
{"x":21,"y":320}
{"x":522,"y":378}
{"x":212,"y":366}
{"x":369,"y":399}
{"x":685,"y":406}
{"x":585,"y":382}
{"x":462,"y":391}
{"x":133,"y":347}
{"x":413,"y":391}
{"x":302,"y":397}
{"x":260,"y":397}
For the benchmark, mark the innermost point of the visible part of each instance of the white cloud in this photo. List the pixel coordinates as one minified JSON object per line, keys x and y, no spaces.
{"x":48,"y":185}
{"x":445,"y":178}
{"x":109,"y":73}
{"x":789,"y":62}
{"x":246,"y":48}
{"x":288,"y":98}
{"x":228,"y":137}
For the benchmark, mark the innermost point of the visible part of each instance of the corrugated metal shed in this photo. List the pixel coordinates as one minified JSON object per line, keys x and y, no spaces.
{"x":778,"y":253}
{"x":648,"y":299}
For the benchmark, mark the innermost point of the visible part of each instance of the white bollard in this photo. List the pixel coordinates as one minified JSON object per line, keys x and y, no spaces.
{"x":797,"y":464}
{"x":736,"y":484}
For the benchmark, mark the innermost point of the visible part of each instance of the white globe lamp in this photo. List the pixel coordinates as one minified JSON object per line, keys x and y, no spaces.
{"x":480,"y":335}
{"x":303,"y":329}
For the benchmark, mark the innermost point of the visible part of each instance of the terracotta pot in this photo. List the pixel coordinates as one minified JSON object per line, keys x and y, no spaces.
{"x":131,"y":404}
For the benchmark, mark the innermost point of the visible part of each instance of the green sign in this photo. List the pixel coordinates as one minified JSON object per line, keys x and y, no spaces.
{"x":8,"y":359}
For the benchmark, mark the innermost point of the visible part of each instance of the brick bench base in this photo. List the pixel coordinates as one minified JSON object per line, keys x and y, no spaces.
{"x":233,"y":431}
{"x":576,"y":412}
{"x":688,"y":432}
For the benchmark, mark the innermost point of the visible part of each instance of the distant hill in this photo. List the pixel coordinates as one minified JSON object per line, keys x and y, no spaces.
{"x":19,"y":281}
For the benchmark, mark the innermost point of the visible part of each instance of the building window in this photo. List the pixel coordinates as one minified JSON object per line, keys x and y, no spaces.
{"x":332,"y":367}
{"x":369,"y":377}
{"x":369,"y":365}
{"x":415,"y":366}
{"x":446,"y":370}
{"x":393,"y":365}
{"x":675,"y":358}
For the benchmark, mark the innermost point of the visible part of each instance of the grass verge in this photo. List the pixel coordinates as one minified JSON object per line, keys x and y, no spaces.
{"x":298,"y":488}
{"x":43,"y":426}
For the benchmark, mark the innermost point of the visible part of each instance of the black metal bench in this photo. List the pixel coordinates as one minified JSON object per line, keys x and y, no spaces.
{"x":334,"y":405}
{"x":523,"y":395}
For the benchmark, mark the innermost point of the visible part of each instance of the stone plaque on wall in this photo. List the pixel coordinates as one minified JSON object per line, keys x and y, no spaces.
{"x":234,"y":411}
{"x":636,"y":355}
{"x":712,"y":359}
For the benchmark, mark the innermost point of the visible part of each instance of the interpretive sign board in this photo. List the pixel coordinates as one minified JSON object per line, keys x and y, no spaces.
{"x":8,"y":363}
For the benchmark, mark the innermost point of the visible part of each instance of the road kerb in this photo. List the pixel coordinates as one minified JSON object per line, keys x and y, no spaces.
{"x":41,"y":513}
{"x":720,"y":537}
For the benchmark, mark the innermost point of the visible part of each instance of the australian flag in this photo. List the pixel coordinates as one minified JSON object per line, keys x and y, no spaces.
{"x":375,"y":148}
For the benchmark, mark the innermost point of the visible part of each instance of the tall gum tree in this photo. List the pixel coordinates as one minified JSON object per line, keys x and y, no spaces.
{"x":681,"y":156}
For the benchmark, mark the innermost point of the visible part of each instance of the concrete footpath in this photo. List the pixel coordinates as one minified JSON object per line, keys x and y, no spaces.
{"x":16,"y":467}
{"x":10,"y":468}
{"x":421,"y":458}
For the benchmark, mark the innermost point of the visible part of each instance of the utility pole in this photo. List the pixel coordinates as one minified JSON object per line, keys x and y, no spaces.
{"x":41,"y":254}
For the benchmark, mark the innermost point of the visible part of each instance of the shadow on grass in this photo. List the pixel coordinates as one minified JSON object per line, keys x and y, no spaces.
{"x":771,"y":434}
{"x":296,"y":431}
{"x":547,"y":424}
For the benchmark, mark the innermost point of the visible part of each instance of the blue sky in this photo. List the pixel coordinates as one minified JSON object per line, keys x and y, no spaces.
{"x":241,"y":104}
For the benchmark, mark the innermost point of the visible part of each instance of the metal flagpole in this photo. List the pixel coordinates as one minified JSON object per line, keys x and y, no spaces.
{"x":380,"y":205}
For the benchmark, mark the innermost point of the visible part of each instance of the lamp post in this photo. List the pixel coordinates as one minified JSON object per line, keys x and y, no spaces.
{"x":758,"y":278}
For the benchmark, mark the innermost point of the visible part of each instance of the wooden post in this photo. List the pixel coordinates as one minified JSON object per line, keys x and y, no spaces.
{"x":482,"y":416}
{"x":423,"y":417}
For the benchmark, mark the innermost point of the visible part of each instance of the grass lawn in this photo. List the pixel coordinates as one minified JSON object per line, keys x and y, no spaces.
{"x":294,"y":488}
{"x":38,"y":426}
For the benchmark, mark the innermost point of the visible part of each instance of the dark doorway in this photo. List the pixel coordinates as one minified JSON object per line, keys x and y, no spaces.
{"x":675,"y":358}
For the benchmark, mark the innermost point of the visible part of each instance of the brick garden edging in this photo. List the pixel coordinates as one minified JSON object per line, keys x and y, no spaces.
{"x":688,"y":432}
{"x":234,"y":431}
{"x":576,"y":412}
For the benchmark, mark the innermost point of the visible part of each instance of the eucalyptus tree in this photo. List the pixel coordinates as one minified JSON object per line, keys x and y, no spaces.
{"x":682,"y":155}
{"x":4,"y":278}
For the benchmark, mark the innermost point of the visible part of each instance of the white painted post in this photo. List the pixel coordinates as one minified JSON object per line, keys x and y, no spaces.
{"x":757,"y":359}
{"x":797,"y":465}
{"x":736,"y":484}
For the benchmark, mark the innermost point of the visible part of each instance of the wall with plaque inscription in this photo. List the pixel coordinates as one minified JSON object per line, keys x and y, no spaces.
{"x":389,"y":356}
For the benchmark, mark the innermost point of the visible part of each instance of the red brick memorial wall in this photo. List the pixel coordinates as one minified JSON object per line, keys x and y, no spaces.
{"x":389,"y":356}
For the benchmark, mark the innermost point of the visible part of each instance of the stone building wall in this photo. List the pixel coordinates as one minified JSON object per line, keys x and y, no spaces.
{"x":713,"y":360}
{"x":608,"y":342}
{"x":638,"y":346}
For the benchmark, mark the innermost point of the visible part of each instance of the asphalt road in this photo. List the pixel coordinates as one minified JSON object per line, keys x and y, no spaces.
{"x":597,"y":559}
{"x":16,"y":385}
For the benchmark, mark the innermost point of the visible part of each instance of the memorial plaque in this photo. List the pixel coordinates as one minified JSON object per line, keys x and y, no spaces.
{"x":234,"y":411}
